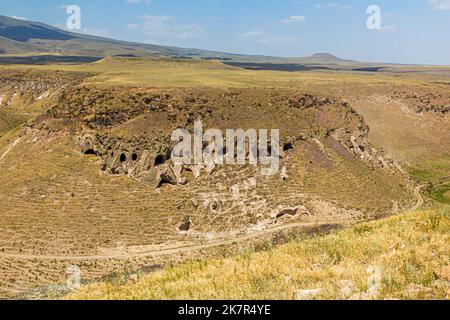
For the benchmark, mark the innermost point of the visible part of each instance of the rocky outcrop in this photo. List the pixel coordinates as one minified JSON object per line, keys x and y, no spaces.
{"x":444,"y":109}
{"x":308,"y":101}
{"x":146,"y":156}
{"x":358,"y":144}
{"x":147,"y":161}
{"x":100,"y":108}
{"x":144,"y":160}
{"x":437,"y":103}
{"x":35,"y":86}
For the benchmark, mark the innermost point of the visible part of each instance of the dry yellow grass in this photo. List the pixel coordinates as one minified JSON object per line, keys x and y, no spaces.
{"x":46,"y":183}
{"x":411,"y":251}
{"x":194,"y":73}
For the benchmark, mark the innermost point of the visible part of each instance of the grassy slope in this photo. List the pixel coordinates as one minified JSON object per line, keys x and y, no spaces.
{"x":321,"y":262}
{"x":9,"y":120}
{"x":436,"y":172}
{"x":411,"y":250}
{"x":18,"y":113}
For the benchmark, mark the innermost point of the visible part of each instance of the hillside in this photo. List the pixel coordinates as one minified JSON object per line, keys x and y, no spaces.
{"x":20,"y":36}
{"x":148,"y":171}
{"x":87,"y":177}
{"x":403,"y":257}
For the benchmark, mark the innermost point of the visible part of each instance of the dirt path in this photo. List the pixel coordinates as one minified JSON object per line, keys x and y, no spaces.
{"x":420,"y":201}
{"x":181,"y":249}
{"x":9,"y":148}
{"x":209,"y":245}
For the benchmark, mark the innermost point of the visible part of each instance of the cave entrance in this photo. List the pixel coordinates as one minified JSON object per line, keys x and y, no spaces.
{"x":90,"y":152}
{"x":160,"y":159}
{"x":288,"y":146}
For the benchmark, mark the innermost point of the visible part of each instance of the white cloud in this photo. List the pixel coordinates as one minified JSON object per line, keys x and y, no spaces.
{"x":255,"y":33}
{"x":285,"y":39}
{"x":19,"y":18}
{"x":332,"y":5}
{"x":293,"y":19}
{"x":166,"y":27}
{"x":133,"y":26}
{"x":440,"y":4}
{"x":187,"y":31}
{"x":260,"y":35}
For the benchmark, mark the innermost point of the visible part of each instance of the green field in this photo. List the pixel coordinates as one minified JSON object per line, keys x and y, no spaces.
{"x":436,"y":173}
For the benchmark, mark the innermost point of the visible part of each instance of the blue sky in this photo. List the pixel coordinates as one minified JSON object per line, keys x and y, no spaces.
{"x":412,"y":31}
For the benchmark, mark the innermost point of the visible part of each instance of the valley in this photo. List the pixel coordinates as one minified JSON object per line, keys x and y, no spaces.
{"x":87,"y":178}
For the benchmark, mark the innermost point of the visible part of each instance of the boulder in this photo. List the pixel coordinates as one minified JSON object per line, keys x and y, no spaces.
{"x":159,"y":175}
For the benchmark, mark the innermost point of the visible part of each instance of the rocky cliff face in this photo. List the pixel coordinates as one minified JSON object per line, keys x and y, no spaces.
{"x":130,"y":131}
{"x":132,"y":157}
{"x":357,"y":143}
{"x":32,"y":86}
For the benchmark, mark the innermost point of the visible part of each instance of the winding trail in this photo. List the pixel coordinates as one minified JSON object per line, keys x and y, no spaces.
{"x":420,"y":200}
{"x":212,"y":244}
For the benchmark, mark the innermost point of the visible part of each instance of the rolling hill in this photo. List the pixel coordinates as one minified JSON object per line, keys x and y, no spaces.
{"x":20,"y":36}
{"x":88,"y":181}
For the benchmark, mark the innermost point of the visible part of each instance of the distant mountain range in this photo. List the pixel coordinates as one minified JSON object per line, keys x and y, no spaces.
{"x":21,"y":36}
